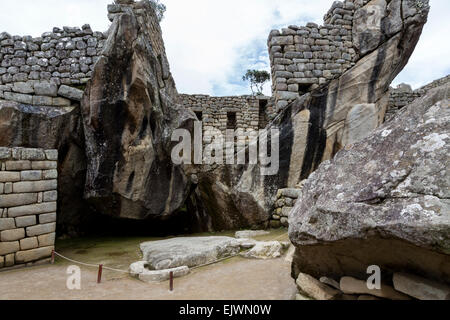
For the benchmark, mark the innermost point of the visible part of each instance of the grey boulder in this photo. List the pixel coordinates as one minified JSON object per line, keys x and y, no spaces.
{"x":190,"y":252}
{"x":383,"y":201}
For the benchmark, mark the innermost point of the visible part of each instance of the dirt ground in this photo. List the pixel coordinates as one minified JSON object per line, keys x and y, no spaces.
{"x":233,"y":279}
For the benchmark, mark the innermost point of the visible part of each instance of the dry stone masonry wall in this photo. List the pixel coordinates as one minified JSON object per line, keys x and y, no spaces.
{"x":404,"y":95}
{"x":28,"y":195}
{"x":222,"y":113}
{"x":302,"y":58}
{"x":46,"y":71}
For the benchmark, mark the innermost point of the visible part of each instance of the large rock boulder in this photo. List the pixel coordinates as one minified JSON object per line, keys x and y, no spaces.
{"x":383,"y":201}
{"x":129,"y":112}
{"x":191,"y":252}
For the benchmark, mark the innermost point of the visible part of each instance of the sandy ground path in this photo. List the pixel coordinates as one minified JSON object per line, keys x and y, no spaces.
{"x":233,"y":279}
{"x":237,"y":279}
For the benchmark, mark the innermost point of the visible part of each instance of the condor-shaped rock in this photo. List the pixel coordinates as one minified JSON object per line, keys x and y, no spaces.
{"x":129,"y":113}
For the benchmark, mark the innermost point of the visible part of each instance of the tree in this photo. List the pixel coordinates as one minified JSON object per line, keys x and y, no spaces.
{"x":257,"y":79}
{"x":160,"y":9}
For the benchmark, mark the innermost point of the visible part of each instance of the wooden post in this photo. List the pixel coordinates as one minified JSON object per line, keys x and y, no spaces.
{"x":100,"y":270}
{"x":171,"y":280}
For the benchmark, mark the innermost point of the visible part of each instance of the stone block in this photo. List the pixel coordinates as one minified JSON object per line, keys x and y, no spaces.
{"x":46,"y":240}
{"x":46,"y":207}
{"x":19,"y":97}
{"x":35,"y":186}
{"x":9,"y":260}
{"x":2,"y":261}
{"x":12,"y":235}
{"x":47,"y":218}
{"x":22,"y":87}
{"x":70,"y":93}
{"x":15,"y":200}
{"x":32,"y":175}
{"x":32,"y":154}
{"x":8,"y":176}
{"x":282,"y":40}
{"x":18,"y":165}
{"x":50,"y":196}
{"x":44,"y":165}
{"x":50,"y":174}
{"x":41,"y":229}
{"x":29,"y":243}
{"x":42,"y":101}
{"x":316,"y":289}
{"x":9,"y":247}
{"x":5,"y":153}
{"x":46,"y":89}
{"x":8,"y":188}
{"x":7,"y":224}
{"x":33,"y":254}
{"x":61,"y":102}
{"x":351,"y":285}
{"x":25,"y":221}
{"x":420,"y":288}
{"x":51,"y":155}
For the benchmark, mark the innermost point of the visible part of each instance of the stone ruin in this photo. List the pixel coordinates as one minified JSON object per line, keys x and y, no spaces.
{"x":112,"y":130}
{"x":28,"y":195}
{"x":48,"y":70}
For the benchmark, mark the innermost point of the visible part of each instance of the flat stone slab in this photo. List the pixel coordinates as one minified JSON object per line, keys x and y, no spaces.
{"x":249,"y":234}
{"x":140,"y":270}
{"x":190,"y":252}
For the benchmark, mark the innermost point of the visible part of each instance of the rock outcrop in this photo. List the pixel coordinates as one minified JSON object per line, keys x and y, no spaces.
{"x":315,"y":126}
{"x":129,"y":112}
{"x":383,"y":201}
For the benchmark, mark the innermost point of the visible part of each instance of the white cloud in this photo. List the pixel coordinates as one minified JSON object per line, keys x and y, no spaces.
{"x":210,"y":43}
{"x":431,"y":58}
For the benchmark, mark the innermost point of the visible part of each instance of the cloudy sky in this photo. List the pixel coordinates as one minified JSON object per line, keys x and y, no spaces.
{"x":211,"y":43}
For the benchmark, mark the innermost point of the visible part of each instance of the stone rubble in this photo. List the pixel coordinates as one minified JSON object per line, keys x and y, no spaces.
{"x":406,"y":287}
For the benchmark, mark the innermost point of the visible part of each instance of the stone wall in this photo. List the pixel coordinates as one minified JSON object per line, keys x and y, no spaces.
{"x":404,"y":95}
{"x":237,"y":112}
{"x":302,"y":58}
{"x":43,"y":71}
{"x":28,"y":195}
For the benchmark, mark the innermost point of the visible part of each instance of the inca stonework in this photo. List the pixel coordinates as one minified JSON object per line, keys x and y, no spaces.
{"x":46,"y":71}
{"x":28,"y":195}
{"x":302,"y":58}
{"x":236,"y":112}
{"x":404,"y":95}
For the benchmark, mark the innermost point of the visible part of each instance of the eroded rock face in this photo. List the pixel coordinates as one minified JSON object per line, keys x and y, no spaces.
{"x":319,"y":124}
{"x":383,"y":201}
{"x":129,"y":111}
